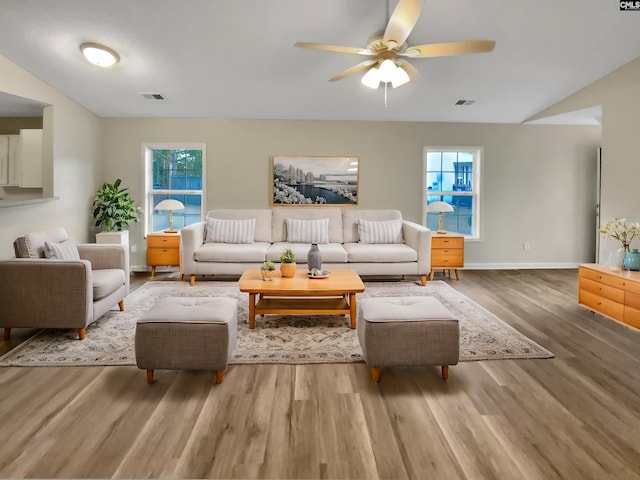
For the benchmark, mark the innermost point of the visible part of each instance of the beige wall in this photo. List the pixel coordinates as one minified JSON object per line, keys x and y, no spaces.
{"x":71,"y":166}
{"x":538,"y":181}
{"x":617,"y":94}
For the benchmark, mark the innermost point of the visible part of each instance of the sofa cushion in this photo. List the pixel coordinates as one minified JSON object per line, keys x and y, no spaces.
{"x":330,"y":252}
{"x":351,"y":216}
{"x":262,"y":215}
{"x":67,"y":250}
{"x":307,"y":231}
{"x":389,"y":231}
{"x":106,"y":281}
{"x":32,"y":244}
{"x":230,"y":231}
{"x":280,"y":214}
{"x":232,"y":252}
{"x":380,"y":253}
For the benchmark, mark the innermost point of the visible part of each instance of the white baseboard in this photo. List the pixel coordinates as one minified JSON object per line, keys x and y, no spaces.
{"x":518,"y":266}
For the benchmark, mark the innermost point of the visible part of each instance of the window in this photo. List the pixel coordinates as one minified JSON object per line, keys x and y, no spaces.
{"x":452,"y":175}
{"x":176,"y":172}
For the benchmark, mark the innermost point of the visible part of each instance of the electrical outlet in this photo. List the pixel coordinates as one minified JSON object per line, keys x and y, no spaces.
{"x":526,"y":246}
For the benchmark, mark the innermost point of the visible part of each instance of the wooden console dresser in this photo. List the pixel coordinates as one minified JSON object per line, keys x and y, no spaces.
{"x":163,"y":249}
{"x":614,"y":294}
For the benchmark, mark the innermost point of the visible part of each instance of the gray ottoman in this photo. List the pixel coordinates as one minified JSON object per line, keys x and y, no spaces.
{"x":407,"y":331}
{"x":187,"y":333}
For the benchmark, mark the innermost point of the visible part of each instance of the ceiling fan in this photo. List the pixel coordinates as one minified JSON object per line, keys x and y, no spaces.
{"x":389,"y":51}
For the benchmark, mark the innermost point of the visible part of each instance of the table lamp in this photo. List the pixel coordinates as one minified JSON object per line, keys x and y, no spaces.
{"x":170,"y":205}
{"x":440,"y":207}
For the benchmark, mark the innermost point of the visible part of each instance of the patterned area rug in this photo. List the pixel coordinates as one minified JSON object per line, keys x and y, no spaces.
{"x":289,"y":339}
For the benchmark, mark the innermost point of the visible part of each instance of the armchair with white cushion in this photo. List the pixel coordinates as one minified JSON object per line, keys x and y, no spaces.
{"x":55,"y":283}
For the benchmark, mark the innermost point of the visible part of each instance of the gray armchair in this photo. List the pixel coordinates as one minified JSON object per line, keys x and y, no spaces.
{"x":38,"y":292}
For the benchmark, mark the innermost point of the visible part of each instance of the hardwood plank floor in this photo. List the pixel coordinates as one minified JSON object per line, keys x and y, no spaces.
{"x":576,"y":416}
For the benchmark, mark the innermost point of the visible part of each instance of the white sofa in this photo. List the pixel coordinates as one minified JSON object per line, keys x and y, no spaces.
{"x":410,"y":255}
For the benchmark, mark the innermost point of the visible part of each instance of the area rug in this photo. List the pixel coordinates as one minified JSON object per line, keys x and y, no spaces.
{"x":285,"y":339}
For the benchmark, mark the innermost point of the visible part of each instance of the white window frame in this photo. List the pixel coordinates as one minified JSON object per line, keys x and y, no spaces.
{"x":148,"y":180}
{"x":477,"y":153}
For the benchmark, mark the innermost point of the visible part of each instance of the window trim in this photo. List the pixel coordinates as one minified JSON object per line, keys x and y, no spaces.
{"x":478,"y":154}
{"x":147,"y":177}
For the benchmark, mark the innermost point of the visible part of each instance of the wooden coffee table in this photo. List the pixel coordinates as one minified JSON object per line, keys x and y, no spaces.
{"x":334,"y":295}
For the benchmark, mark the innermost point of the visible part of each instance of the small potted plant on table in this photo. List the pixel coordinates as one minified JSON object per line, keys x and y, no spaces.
{"x":268,"y":270}
{"x":288,"y":263}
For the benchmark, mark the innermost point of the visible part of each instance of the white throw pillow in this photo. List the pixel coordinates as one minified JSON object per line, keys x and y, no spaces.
{"x":389,"y":231}
{"x":67,"y":250}
{"x":307,"y":231}
{"x":230,"y":231}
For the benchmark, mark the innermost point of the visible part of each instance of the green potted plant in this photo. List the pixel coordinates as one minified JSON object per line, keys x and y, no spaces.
{"x":267,"y":270}
{"x":113,"y":208}
{"x":288,"y":263}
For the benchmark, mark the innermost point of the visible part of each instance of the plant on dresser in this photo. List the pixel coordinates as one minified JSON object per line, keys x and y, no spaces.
{"x":615,"y":294}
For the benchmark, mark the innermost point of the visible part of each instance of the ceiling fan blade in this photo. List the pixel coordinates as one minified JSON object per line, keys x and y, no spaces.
{"x":410,"y":69}
{"x":352,"y":70}
{"x":334,"y":48}
{"x":449,"y":49}
{"x":402,"y":21}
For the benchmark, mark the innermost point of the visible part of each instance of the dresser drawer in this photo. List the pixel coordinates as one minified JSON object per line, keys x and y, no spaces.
{"x":444,"y":242}
{"x":447,"y":257}
{"x":600,"y":304}
{"x":163,"y":241}
{"x":631,"y":316}
{"x":163,"y":256}
{"x":602,"y":277}
{"x":602,"y":289}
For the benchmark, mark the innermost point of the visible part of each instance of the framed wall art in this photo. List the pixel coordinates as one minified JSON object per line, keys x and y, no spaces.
{"x":312,"y":180}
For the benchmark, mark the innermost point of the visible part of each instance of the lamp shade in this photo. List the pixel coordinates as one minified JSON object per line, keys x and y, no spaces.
{"x":169,"y":204}
{"x":439,"y":207}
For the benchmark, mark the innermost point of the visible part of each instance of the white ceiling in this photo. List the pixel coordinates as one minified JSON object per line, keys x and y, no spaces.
{"x":236,"y":59}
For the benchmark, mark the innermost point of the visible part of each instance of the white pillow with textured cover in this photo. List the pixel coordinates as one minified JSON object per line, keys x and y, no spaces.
{"x":67,"y":250}
{"x":307,"y":231}
{"x":389,"y":231}
{"x":230,"y":231}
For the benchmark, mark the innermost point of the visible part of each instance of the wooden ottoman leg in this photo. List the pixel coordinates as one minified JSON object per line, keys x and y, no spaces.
{"x":7,"y":333}
{"x":445,"y":372}
{"x":81,"y":332}
{"x":219,"y":376}
{"x":192,"y":280}
{"x":149,"y":376}
{"x":121,"y":305}
{"x":375,"y":374}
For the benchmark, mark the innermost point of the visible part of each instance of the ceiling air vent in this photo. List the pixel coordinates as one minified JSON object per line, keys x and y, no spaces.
{"x":465,"y":102}
{"x":152,"y":96}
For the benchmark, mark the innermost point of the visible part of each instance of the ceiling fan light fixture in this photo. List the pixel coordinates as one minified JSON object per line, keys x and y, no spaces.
{"x":387,"y":69}
{"x":399,"y":78}
{"x":371,"y":79}
{"x":99,"y":54}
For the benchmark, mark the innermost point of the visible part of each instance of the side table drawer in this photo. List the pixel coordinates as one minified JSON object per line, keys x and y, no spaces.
{"x":163,"y":256}
{"x":447,"y":242}
{"x":451,"y":258}
{"x":163,"y":241}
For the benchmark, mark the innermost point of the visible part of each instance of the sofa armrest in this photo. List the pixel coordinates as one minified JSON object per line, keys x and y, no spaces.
{"x":418,"y":237}
{"x":192,"y":238}
{"x":45,"y":293}
{"x":103,"y":256}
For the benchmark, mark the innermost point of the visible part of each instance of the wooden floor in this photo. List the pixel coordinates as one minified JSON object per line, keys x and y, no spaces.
{"x":576,"y":416}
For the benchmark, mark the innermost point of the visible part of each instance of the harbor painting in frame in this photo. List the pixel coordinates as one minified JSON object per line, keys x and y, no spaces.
{"x":315,"y":180}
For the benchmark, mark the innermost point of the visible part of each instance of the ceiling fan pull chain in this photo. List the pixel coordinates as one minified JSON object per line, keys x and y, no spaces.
{"x":385,"y":94}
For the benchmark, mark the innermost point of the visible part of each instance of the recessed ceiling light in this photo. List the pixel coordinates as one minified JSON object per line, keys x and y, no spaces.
{"x":99,"y":54}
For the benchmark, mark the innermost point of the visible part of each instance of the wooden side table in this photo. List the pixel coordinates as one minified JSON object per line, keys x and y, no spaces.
{"x":447,"y":253}
{"x":163,"y":248}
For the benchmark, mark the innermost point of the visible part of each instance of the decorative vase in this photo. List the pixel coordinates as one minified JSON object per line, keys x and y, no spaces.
{"x":616,"y":259}
{"x":267,"y":275}
{"x":314,"y":258}
{"x":288,"y":270}
{"x":632,"y":260}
